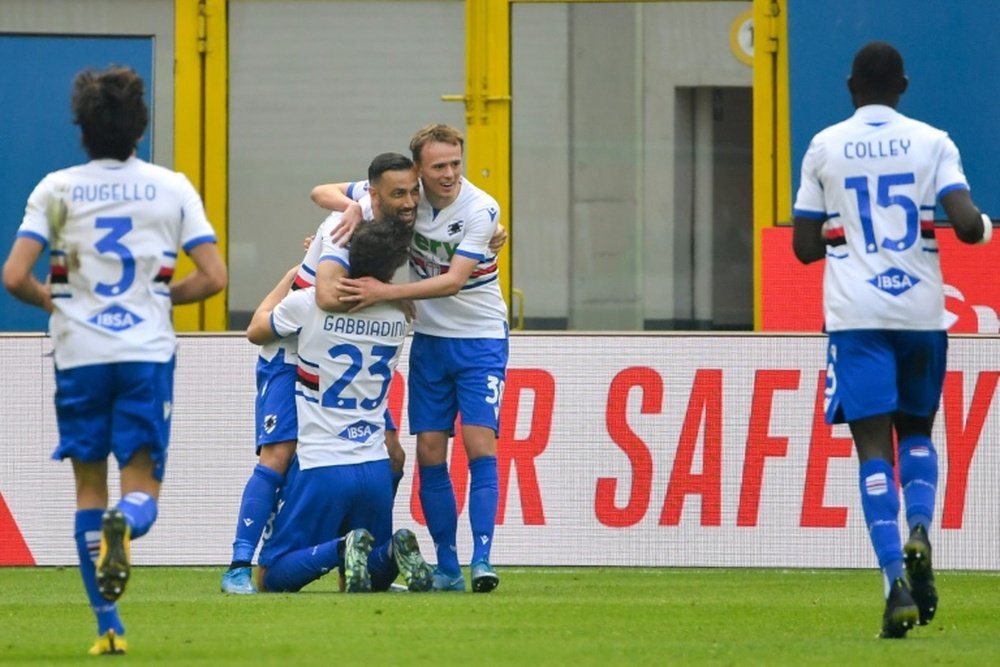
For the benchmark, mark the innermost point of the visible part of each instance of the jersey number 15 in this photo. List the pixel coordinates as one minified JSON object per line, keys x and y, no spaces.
{"x":885,"y":198}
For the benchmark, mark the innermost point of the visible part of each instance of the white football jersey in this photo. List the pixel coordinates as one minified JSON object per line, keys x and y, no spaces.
{"x":875,"y":179}
{"x":114,"y":230}
{"x":346,"y":361}
{"x":463,"y":228}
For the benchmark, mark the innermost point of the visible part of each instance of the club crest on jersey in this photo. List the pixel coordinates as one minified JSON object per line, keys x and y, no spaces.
{"x":894,"y":281}
{"x":270,"y":421}
{"x":115,"y":318}
{"x":455,"y":227}
{"x":359,"y":431}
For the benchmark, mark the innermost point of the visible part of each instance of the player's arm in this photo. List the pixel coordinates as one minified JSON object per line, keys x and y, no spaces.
{"x":18,"y":278}
{"x":209,"y":276}
{"x":362,"y":292}
{"x":260,"y":331}
{"x":334,"y":197}
{"x":331,"y":267}
{"x":807,"y":239}
{"x":971,"y":225}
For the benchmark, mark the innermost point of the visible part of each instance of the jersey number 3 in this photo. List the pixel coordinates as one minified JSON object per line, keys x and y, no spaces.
{"x":111,"y":243}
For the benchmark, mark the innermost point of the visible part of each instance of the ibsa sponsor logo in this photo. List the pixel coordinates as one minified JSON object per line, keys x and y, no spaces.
{"x":894,"y":281}
{"x":359,"y":431}
{"x":115,"y":318}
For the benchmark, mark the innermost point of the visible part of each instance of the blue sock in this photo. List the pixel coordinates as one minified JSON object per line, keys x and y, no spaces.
{"x":297,"y":568}
{"x":437,"y":497}
{"x":484,"y":496}
{"x":140,"y":511}
{"x":397,"y":477}
{"x":382,"y":567}
{"x":880,"y":502}
{"x":88,"y":542}
{"x":255,"y":509}
{"x":918,"y":474}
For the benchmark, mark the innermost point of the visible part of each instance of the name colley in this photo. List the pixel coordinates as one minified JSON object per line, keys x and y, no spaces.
{"x":855,"y":150}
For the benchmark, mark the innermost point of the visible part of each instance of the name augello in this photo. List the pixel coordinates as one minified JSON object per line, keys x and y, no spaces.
{"x":114,"y":192}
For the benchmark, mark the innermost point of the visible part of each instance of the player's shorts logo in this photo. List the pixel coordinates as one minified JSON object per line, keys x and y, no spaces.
{"x":894,"y":281}
{"x":115,"y":318}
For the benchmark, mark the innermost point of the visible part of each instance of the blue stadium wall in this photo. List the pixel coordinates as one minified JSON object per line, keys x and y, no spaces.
{"x":950,"y":57}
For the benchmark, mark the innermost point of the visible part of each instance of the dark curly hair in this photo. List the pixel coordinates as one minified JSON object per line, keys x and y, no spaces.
{"x":878,"y":69}
{"x":378,"y":248}
{"x":111,"y":111}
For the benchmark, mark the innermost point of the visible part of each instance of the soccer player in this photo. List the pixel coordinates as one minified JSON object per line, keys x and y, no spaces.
{"x":458,"y":358}
{"x":341,"y":475}
{"x":113,"y":227}
{"x":391,"y":176}
{"x":866,"y":203}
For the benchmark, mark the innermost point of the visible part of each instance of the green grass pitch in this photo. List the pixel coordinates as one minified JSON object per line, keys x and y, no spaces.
{"x":538,"y":616}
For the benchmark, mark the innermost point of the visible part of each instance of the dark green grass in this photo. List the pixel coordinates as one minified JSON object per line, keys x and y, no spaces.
{"x":538,"y":616}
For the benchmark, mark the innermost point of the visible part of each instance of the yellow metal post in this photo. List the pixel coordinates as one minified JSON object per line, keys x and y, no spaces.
{"x":200,"y":135}
{"x":215,"y":69}
{"x":771,"y":132}
{"x":487,"y":110}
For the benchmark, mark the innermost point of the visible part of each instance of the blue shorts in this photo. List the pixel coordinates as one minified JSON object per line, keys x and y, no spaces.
{"x":275,"y":405}
{"x":872,"y":372}
{"x":321,"y":504}
{"x":448,"y":376}
{"x":119,"y":408}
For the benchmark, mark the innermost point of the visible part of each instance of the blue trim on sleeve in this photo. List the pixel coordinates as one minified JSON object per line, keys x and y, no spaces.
{"x":334,"y":258}
{"x":351,"y":187}
{"x":307,"y":270}
{"x":481,"y":283}
{"x":471,"y":255}
{"x":812,"y":215}
{"x":198,"y":240}
{"x":34,"y":236}
{"x":273,"y":330}
{"x":948,"y":188}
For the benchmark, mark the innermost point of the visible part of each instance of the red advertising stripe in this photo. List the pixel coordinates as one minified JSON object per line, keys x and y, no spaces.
{"x":792,"y":293}
{"x":13,"y":549}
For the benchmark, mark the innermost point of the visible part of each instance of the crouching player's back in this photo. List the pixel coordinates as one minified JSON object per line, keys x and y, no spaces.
{"x":337,"y":500}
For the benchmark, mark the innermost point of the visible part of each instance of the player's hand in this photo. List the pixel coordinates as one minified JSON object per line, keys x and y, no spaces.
{"x":498,"y":240}
{"x":308,"y":242}
{"x":361,"y":292}
{"x":342,"y":233}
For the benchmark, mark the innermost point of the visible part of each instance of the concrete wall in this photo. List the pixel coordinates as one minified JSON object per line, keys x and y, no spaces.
{"x":316,"y":90}
{"x":601,"y":142}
